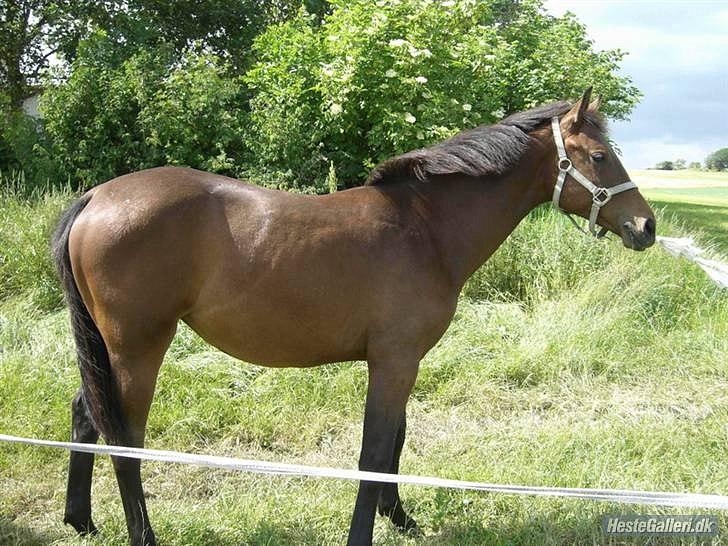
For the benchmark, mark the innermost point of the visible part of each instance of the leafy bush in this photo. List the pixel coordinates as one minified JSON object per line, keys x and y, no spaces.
{"x":378,"y":78}
{"x":6,"y":153}
{"x":196,"y":116}
{"x":24,"y":149}
{"x":150,"y":110}
{"x":92,"y":118}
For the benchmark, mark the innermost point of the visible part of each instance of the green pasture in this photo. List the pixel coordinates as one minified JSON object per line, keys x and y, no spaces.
{"x":701,"y":209}
{"x":708,"y":196}
{"x":570,"y":362}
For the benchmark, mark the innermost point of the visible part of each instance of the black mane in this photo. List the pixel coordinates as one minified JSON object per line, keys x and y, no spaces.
{"x":487,"y":150}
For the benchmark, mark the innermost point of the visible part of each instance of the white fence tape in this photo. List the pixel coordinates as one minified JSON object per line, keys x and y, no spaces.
{"x":687,"y":500}
{"x":684,"y":246}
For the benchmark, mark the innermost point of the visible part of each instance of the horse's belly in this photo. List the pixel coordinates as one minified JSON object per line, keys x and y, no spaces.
{"x":279,"y":339}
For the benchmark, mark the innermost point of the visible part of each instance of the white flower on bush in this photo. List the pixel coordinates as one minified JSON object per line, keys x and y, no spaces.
{"x":420,"y":135}
{"x":409,"y":118}
{"x":336,"y":109}
{"x":467,"y":107}
{"x":421,"y":79}
{"x":391,"y":73}
{"x":397,"y":43}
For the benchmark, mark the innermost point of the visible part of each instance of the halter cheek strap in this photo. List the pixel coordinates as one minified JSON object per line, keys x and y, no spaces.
{"x":600,"y":195}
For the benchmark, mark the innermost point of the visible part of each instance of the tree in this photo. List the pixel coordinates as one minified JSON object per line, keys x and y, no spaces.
{"x":665,"y":166}
{"x":223,"y":27}
{"x":695,"y":165}
{"x":31,"y":33}
{"x":718,"y":160}
{"x":378,"y":78}
{"x":680,"y":164}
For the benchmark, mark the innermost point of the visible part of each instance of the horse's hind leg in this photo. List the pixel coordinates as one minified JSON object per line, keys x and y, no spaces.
{"x":80,"y":470}
{"x":136,"y":376}
{"x":390,"y":504}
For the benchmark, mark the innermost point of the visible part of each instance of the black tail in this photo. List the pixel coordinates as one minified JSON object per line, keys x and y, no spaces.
{"x":99,"y":388}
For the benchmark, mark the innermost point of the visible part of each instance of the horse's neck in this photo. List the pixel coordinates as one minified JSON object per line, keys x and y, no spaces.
{"x":472,"y":218}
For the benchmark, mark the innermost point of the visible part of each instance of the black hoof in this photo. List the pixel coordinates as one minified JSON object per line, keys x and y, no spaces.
{"x":401,"y":520}
{"x":409,"y":527}
{"x":148,"y":539}
{"x":83,"y":526}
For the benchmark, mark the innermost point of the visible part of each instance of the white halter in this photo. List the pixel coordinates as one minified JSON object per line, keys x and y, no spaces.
{"x":600,"y":195}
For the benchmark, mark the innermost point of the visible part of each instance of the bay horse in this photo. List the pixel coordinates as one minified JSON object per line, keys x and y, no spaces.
{"x":279,"y":279}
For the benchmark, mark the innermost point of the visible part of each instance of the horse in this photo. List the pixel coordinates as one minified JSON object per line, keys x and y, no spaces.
{"x":280,"y":279}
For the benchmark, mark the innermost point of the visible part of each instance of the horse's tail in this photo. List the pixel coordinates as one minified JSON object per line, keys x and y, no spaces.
{"x":99,"y":389}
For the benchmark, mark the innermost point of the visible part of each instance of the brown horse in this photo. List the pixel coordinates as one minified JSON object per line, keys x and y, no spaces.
{"x":280,"y":279}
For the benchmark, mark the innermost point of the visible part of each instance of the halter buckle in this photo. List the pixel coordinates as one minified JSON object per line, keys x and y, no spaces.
{"x":564,"y":164}
{"x":601,"y":196}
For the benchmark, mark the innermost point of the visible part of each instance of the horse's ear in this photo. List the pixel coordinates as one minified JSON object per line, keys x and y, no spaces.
{"x":595,"y":104}
{"x":580,"y":108}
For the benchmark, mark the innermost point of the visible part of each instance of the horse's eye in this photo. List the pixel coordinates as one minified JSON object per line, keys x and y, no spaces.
{"x":597,"y":156}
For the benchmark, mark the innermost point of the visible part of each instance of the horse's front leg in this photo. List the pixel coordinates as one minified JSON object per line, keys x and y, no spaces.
{"x":390,"y":504}
{"x":390,"y":383}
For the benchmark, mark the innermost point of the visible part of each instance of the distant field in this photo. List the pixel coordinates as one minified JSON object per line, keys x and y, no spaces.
{"x":657,"y":178}
{"x":698,"y":200}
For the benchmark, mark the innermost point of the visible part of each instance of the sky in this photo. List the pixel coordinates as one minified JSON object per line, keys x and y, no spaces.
{"x":678,"y":58}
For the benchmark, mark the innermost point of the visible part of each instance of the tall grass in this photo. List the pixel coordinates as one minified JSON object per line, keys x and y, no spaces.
{"x":26,"y":223}
{"x":569,"y":362}
{"x":543,"y":257}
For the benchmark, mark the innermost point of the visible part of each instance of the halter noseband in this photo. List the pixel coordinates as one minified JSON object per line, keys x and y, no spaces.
{"x":600,"y":195}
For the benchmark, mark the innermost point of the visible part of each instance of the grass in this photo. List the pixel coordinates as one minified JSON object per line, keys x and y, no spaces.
{"x":569,"y":363}
{"x":717,"y":197}
{"x":702,"y":210}
{"x":710,"y":222}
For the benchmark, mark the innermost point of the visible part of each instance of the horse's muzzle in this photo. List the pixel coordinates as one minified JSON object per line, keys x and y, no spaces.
{"x":639,"y":233}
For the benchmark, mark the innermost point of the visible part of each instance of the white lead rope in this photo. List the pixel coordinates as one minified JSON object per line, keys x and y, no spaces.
{"x":687,"y":500}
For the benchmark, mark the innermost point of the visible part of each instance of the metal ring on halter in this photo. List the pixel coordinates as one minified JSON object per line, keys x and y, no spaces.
{"x":601,"y":197}
{"x":564,"y":161}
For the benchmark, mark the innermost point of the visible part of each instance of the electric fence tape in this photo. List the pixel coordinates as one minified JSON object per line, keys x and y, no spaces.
{"x":687,"y":500}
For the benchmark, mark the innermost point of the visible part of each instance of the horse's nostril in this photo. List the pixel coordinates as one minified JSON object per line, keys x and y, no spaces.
{"x":650,"y":227}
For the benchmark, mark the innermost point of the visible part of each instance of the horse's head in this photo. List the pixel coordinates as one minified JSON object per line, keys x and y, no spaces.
{"x":587,"y":158}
